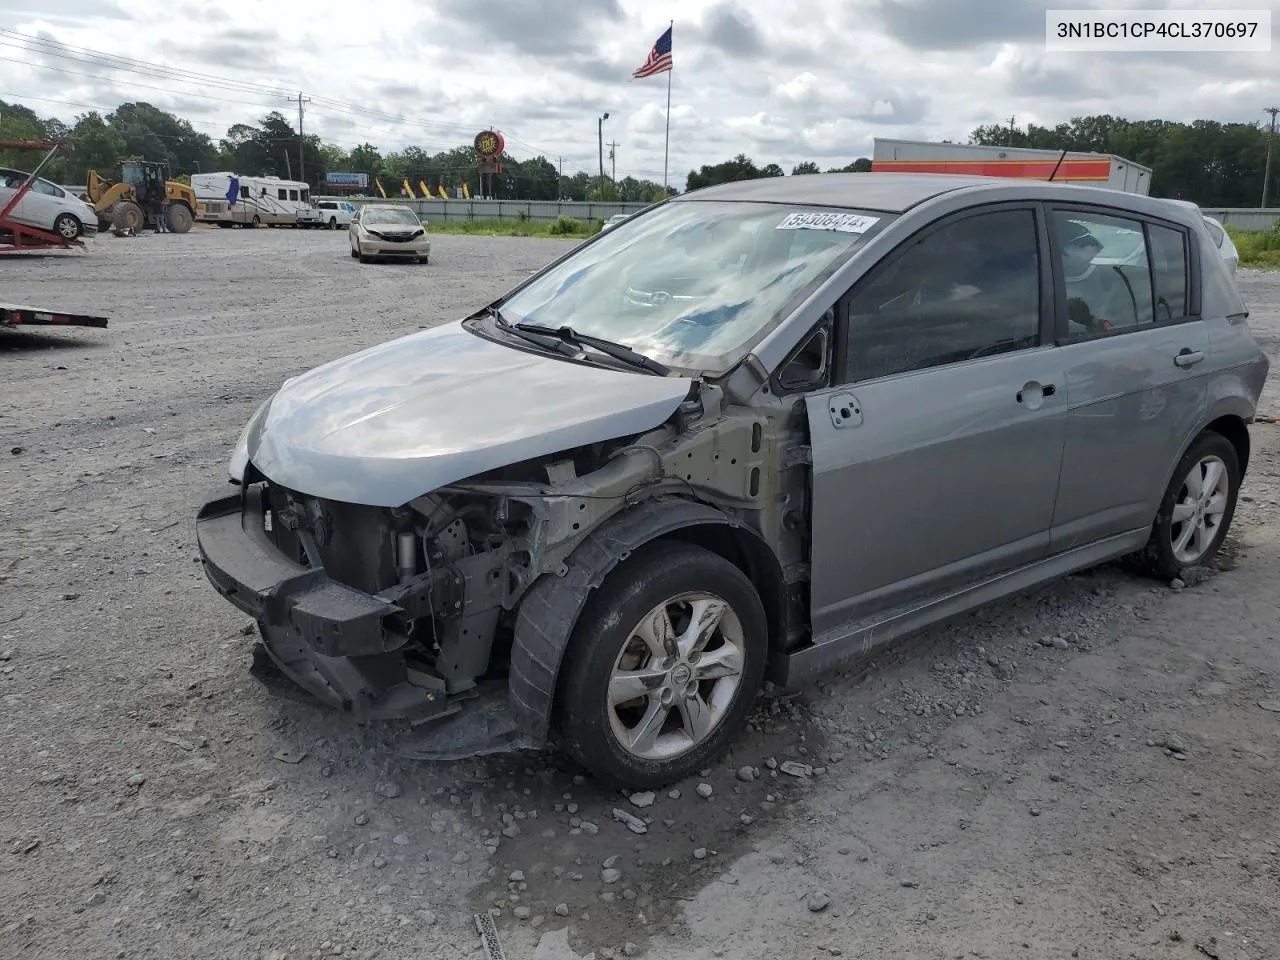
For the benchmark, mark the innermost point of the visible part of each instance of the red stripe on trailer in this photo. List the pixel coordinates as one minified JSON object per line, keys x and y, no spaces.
{"x":13,"y":315}
{"x":1026,"y":169}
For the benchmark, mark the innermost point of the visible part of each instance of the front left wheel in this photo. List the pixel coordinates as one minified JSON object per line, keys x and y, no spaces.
{"x":663,"y":667}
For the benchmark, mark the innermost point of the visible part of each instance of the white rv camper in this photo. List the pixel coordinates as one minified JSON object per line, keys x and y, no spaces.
{"x":228,"y":199}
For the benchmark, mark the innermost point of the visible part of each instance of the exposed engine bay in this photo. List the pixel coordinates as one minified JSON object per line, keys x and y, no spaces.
{"x":421,"y":603}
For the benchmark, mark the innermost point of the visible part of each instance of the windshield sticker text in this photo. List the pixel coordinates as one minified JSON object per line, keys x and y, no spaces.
{"x":844,"y":222}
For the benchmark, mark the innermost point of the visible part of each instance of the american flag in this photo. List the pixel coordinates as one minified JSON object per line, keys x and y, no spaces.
{"x":659,"y":58}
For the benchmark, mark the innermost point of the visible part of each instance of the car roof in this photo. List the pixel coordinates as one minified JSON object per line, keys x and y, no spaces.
{"x":899,"y":192}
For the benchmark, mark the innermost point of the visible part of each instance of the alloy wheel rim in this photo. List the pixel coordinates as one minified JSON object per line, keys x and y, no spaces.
{"x":67,"y":229}
{"x":1199,"y":508}
{"x":676,"y":676}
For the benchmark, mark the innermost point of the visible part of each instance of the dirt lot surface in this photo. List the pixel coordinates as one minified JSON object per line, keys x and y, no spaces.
{"x":1087,"y":771}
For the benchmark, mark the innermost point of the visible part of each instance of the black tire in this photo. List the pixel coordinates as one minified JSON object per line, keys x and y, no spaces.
{"x":179,"y":218}
{"x":257,"y":221}
{"x":1159,"y":558}
{"x":68,"y":226}
{"x":127,"y":215}
{"x":225,"y":225}
{"x":354,"y":255}
{"x":333,"y":223}
{"x":660,"y":571}
{"x":424,"y":259}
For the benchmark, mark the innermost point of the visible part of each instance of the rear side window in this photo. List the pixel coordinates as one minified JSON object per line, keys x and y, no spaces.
{"x":1215,"y":231}
{"x":1169,"y":271}
{"x":1106,"y":271}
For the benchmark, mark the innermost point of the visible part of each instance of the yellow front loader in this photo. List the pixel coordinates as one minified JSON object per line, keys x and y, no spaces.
{"x":129,"y":204}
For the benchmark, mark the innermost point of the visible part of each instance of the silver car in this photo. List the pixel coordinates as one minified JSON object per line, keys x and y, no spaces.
{"x":388,"y":231}
{"x":755,"y":432}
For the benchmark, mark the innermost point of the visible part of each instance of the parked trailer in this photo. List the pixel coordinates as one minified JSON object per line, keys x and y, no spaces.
{"x":19,"y":237}
{"x":229,"y":199}
{"x":1088,"y":169}
{"x":16,"y":315}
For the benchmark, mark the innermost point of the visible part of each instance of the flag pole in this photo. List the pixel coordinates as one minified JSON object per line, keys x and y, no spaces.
{"x":666,"y":147}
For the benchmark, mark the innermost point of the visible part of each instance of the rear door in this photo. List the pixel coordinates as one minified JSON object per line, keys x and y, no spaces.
{"x":1134,"y":357}
{"x":935,"y":458}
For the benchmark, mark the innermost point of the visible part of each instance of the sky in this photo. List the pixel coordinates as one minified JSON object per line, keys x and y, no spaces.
{"x":782,"y":83}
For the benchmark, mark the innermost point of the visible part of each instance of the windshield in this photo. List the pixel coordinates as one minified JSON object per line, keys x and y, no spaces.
{"x":695,"y":284}
{"x":391,"y":216}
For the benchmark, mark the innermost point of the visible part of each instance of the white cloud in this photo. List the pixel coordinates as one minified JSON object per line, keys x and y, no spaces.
{"x":818,"y":82}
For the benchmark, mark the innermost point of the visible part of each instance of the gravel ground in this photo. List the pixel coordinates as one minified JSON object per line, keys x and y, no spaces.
{"x":1088,"y":771}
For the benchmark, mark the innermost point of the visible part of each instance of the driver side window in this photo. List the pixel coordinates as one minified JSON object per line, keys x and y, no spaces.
{"x":968,"y":289}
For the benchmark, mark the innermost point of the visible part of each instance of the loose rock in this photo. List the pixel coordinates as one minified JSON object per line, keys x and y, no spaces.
{"x":630,"y":821}
{"x":746,"y":774}
{"x":610,"y":875}
{"x":818,"y":902}
{"x":793,"y":768}
{"x":642,"y":800}
{"x":387,"y":788}
{"x":562,"y":909}
{"x":704,"y":791}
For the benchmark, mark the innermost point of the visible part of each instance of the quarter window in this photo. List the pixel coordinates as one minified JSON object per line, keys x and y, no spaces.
{"x":1169,"y":270}
{"x":969,"y":289}
{"x":1106,"y":270}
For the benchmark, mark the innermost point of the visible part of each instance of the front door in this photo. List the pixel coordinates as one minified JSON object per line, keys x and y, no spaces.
{"x":936,"y":458}
{"x":1135,"y":371}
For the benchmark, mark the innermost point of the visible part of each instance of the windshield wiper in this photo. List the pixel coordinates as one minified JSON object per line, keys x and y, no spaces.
{"x":608,"y":347}
{"x":554,"y":343}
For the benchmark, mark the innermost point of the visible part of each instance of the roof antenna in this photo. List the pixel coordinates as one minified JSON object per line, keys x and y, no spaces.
{"x":1057,"y":165}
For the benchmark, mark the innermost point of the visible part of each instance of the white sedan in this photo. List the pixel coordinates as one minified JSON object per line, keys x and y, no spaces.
{"x":1230,"y":255}
{"x":46,"y":206}
{"x":390,"y":231}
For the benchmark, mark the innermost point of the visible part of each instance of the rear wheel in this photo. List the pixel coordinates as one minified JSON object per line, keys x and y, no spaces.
{"x":179,"y":218}
{"x":257,"y":222}
{"x":333,"y":223}
{"x":1197,"y":508}
{"x":67,"y":226}
{"x":127,"y":215}
{"x":663,"y":666}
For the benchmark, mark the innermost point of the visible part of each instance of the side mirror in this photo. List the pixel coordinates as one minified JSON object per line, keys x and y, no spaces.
{"x":807,"y":367}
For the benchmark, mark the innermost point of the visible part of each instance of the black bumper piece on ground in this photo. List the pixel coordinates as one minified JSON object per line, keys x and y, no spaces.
{"x":338,"y":644}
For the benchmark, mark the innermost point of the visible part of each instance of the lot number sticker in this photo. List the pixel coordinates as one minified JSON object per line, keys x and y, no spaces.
{"x":844,"y":222}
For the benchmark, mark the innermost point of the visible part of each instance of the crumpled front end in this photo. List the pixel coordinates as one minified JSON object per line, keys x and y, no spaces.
{"x":381,"y":613}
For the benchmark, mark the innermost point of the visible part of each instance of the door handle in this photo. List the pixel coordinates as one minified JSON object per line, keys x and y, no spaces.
{"x":1037,"y":390}
{"x":1188,"y":358}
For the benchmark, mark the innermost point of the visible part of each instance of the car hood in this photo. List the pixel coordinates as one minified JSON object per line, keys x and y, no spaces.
{"x":398,"y":420}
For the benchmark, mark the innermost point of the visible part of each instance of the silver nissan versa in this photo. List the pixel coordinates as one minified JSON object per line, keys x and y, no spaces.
{"x":749,"y":433}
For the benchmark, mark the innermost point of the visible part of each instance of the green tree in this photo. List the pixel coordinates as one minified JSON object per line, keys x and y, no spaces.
{"x":96,"y":145}
{"x":804,"y":168}
{"x":739,"y":168}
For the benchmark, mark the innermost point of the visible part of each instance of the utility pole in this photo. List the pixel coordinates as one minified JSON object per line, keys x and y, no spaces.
{"x":1271,"y":136}
{"x":559,"y":178}
{"x":600,"y":143}
{"x":613,"y":159}
{"x":300,"y":100}
{"x":1012,"y":120}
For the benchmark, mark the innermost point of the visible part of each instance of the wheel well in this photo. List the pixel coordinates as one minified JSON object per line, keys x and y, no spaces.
{"x":750,"y":555}
{"x":1234,"y":430}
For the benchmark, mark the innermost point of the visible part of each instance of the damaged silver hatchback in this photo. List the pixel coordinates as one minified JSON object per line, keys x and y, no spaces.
{"x":751,"y":433}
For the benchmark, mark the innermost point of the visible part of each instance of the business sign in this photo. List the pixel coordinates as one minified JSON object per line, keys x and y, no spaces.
{"x":347,"y":179}
{"x":489,"y":145}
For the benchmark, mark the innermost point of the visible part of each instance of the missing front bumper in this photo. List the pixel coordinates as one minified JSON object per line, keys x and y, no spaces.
{"x":342,"y":647}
